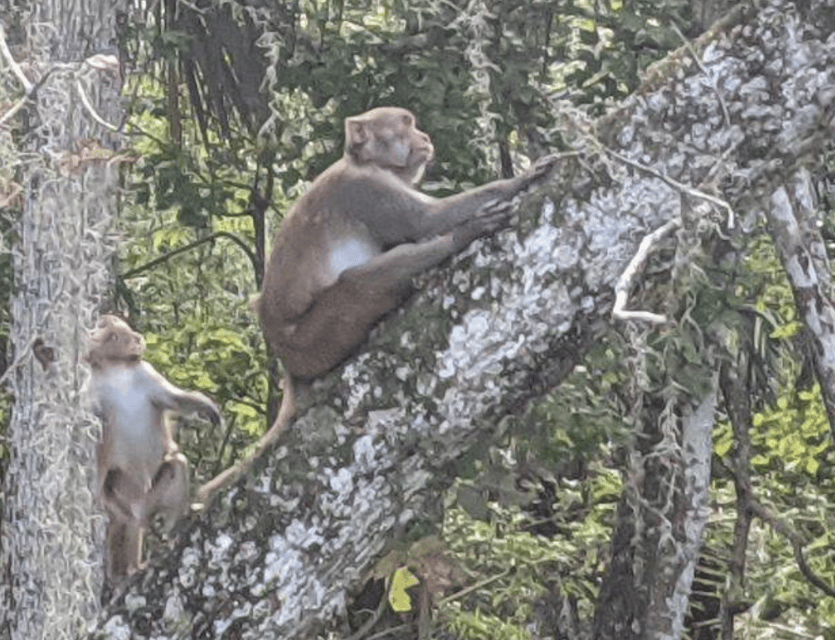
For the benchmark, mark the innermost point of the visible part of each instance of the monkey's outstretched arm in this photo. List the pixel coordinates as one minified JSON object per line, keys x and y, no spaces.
{"x":242,"y":466}
{"x":395,"y":213}
{"x":170,"y":396}
{"x":447,"y":213}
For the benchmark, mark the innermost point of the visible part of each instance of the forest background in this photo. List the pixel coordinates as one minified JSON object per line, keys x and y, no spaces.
{"x":231,"y":109}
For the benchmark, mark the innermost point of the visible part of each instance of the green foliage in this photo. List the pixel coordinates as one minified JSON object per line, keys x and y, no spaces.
{"x":482,"y":626}
{"x":519,"y":572}
{"x":793,"y":437}
{"x":587,"y":411}
{"x":792,"y":461}
{"x":533,"y":519}
{"x":530,"y":518}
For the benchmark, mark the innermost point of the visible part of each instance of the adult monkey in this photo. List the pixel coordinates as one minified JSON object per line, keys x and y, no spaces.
{"x":347,"y":251}
{"x":141,"y":471}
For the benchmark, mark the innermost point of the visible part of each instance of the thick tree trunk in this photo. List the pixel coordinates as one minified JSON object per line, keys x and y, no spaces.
{"x":51,"y":535}
{"x":278,"y":556}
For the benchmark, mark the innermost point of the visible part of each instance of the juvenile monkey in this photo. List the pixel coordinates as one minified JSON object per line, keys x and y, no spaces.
{"x":141,"y":471}
{"x":347,"y":251}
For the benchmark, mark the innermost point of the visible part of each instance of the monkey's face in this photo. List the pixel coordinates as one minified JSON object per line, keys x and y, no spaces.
{"x":389,"y":138}
{"x":113,"y":339}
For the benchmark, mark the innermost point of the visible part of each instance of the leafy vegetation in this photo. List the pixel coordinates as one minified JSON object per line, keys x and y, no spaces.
{"x":528,"y":523}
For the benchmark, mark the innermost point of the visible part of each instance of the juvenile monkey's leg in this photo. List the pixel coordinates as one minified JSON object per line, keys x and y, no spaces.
{"x":123,"y":551}
{"x":121,"y":495}
{"x":169,"y":494}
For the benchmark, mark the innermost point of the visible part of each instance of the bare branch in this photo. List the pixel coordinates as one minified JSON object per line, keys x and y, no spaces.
{"x":810,"y":289}
{"x":4,"y":49}
{"x":627,"y":279}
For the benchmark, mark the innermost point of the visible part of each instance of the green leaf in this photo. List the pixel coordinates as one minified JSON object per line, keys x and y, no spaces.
{"x":399,"y":600}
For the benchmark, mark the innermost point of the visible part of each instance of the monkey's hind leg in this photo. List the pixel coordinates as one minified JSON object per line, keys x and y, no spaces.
{"x":169,"y":494}
{"x":391,"y":270}
{"x":123,"y":552}
{"x":341,"y":317}
{"x":122,"y":495}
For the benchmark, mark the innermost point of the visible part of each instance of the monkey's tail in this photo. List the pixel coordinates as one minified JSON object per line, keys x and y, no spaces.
{"x":282,"y":421}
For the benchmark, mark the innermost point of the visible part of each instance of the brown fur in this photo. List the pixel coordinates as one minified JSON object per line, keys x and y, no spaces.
{"x":347,"y":251}
{"x":141,"y":470}
{"x":314,"y":315}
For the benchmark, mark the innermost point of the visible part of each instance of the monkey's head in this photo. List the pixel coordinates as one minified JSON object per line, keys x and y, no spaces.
{"x":113,"y":340}
{"x":388,"y":138}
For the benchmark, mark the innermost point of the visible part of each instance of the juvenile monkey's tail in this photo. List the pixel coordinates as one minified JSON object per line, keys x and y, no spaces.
{"x":282,"y":421}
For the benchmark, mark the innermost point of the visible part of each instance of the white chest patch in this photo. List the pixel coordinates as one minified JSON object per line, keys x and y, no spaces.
{"x":125,"y":397}
{"x":351,"y":252}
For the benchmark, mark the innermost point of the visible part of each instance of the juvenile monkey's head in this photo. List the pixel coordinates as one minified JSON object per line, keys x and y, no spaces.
{"x":388,"y":137}
{"x":113,"y":340}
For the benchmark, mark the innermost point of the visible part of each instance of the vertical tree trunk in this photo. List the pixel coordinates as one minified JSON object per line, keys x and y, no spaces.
{"x":793,"y":218}
{"x":51,"y":536}
{"x":661,"y":520}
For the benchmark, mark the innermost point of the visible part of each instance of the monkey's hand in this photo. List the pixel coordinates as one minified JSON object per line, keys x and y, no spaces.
{"x":208,"y":410}
{"x":542,"y":168}
{"x":491,"y":217}
{"x":211,"y":414}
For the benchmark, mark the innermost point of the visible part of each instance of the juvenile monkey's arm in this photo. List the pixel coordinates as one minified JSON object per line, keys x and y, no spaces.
{"x":169,"y":396}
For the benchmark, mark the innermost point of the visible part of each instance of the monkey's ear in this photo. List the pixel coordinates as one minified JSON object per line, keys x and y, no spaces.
{"x":356,"y":135}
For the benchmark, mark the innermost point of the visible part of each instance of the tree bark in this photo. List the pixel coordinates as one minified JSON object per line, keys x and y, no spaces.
{"x":793,"y":218}
{"x":661,"y":519}
{"x":51,"y":532}
{"x":279,"y":555}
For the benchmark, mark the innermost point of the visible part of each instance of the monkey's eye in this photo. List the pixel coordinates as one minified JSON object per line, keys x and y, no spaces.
{"x":112,"y":337}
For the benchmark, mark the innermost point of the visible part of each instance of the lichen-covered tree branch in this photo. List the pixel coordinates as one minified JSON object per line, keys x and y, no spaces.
{"x":707,"y":142}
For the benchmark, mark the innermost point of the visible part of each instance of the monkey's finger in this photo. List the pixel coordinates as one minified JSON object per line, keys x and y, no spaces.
{"x":494,"y":216}
{"x":544,"y":165}
{"x":496,"y":207}
{"x":212,"y":416}
{"x":487,"y":221}
{"x":498,"y":220}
